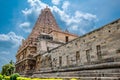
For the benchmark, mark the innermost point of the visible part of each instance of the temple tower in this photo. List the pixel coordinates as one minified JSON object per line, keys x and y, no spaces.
{"x":45,"y":24}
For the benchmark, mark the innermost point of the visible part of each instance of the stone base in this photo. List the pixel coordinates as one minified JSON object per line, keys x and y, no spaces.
{"x":104,"y":71}
{"x":102,"y":74}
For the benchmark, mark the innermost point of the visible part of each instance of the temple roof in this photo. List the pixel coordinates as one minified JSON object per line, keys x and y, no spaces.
{"x":45,"y":20}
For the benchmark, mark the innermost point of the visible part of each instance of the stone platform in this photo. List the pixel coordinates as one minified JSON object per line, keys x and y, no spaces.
{"x":104,"y":71}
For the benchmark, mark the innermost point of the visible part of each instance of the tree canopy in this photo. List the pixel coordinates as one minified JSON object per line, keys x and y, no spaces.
{"x":8,"y":69}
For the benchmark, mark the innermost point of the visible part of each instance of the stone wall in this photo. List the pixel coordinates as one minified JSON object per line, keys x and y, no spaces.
{"x":46,"y":45}
{"x":96,"y":47}
{"x":62,"y":36}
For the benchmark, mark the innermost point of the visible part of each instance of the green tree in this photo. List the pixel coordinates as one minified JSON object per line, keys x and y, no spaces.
{"x":8,"y":69}
{"x":11,"y":62}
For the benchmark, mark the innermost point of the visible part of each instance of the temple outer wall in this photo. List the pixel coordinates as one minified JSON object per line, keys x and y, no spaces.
{"x":97,"y":47}
{"x":106,"y":38}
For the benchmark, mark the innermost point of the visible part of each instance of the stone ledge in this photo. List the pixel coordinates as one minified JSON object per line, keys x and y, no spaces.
{"x":86,"y":67}
{"x":24,"y":60}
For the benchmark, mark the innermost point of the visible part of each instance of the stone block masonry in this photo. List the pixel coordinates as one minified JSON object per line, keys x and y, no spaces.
{"x":50,"y":52}
{"x":98,"y":51}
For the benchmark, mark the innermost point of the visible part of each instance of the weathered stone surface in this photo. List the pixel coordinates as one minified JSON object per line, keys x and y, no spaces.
{"x":98,"y":53}
{"x":46,"y":54}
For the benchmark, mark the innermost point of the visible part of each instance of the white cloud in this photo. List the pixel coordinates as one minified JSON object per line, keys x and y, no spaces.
{"x":75,"y":22}
{"x":64,"y":17}
{"x":3,"y":37}
{"x":74,"y":27}
{"x":34,"y":10}
{"x":35,"y":7}
{"x":56,"y":2}
{"x":65,"y":5}
{"x":24,"y":24}
{"x":8,"y":45}
{"x":32,"y":2}
{"x":86,"y":16}
{"x":76,"y":18}
{"x":11,"y":37}
{"x":27,"y":11}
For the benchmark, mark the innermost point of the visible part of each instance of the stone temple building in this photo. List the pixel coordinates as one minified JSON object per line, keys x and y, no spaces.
{"x":50,"y":52}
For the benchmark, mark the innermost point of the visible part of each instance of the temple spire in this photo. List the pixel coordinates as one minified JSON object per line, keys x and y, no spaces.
{"x":45,"y":23}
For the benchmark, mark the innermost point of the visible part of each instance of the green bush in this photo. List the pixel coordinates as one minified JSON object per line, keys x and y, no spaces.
{"x":4,"y":77}
{"x":1,"y":77}
{"x":7,"y":77}
{"x":14,"y":76}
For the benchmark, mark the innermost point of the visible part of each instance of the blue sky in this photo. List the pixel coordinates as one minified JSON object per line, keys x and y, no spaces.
{"x":78,"y":16}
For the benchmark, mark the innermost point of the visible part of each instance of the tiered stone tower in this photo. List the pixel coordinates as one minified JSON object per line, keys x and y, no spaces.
{"x":45,"y":24}
{"x":46,"y":27}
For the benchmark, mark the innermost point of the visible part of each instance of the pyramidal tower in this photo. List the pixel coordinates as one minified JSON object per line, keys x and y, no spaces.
{"x":45,"y":23}
{"x":46,"y":29}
